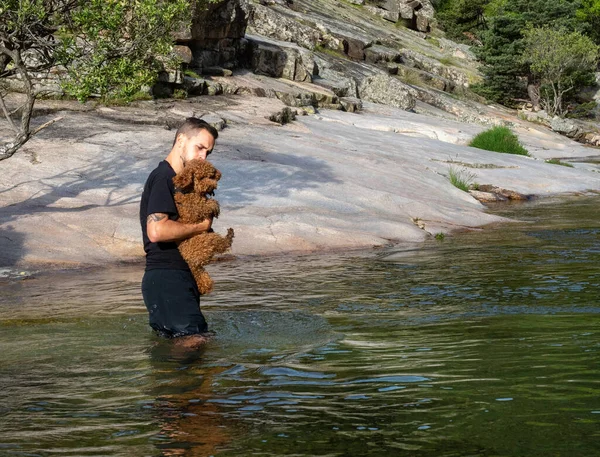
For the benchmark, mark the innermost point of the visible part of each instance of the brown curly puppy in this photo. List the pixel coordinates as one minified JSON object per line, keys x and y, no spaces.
{"x":195,"y":185}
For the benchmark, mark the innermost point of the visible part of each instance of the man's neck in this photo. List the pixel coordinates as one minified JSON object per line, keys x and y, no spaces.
{"x":175,"y":161}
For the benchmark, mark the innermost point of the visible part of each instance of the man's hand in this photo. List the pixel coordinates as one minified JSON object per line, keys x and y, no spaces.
{"x":161,"y":229}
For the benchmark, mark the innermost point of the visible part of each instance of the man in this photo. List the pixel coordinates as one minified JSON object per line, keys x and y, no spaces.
{"x":168,"y":287}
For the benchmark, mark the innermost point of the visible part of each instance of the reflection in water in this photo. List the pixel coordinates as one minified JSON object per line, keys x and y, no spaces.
{"x":486,"y":344}
{"x":189,"y":424}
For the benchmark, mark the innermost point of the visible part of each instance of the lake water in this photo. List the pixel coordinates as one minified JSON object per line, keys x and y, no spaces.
{"x":485,"y":343}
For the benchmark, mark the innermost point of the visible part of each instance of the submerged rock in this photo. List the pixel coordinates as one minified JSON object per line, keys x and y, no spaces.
{"x":502,"y":194}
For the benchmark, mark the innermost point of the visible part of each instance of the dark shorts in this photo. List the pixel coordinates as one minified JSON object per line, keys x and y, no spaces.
{"x":173,"y":303}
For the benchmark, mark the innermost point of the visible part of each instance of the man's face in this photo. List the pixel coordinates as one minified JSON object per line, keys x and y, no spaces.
{"x":198,"y":146}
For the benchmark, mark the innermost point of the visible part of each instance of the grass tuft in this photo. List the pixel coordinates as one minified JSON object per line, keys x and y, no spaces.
{"x":331,"y":52}
{"x":559,"y":162}
{"x":410,"y":76}
{"x":499,"y":139}
{"x":461,"y":177}
{"x":191,"y":73}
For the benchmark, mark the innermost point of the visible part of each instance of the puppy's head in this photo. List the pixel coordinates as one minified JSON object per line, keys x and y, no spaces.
{"x":193,"y":172}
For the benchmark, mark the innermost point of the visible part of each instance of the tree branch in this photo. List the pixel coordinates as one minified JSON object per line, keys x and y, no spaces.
{"x":47,"y":124}
{"x":7,"y":114}
{"x":8,"y":52}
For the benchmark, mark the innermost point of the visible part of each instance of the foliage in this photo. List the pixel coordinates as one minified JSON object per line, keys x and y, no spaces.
{"x":110,"y":48}
{"x":589,"y":12}
{"x":191,"y":74}
{"x":107,"y":48}
{"x":180,"y":94}
{"x":460,"y":17}
{"x":461,"y":178}
{"x":506,"y":75}
{"x":499,"y":139}
{"x":585,"y":110}
{"x":557,"y":59}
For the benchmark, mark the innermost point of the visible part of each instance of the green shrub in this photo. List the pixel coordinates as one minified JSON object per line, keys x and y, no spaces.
{"x":583,"y":111}
{"x":180,"y":94}
{"x":499,"y":139}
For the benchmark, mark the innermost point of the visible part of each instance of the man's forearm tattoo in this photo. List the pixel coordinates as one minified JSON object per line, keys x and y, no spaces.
{"x":155,"y":217}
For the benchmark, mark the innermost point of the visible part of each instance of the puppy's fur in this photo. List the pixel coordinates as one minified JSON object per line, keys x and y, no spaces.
{"x":195,"y":185}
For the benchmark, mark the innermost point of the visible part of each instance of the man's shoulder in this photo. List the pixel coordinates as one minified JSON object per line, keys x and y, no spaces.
{"x":163,"y":172}
{"x":163,"y":169}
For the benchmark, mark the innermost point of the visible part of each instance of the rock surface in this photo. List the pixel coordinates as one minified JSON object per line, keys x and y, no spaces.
{"x":387,"y":90}
{"x":329,"y":180}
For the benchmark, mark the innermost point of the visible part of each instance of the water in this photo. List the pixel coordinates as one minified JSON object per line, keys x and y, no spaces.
{"x":484,"y":344}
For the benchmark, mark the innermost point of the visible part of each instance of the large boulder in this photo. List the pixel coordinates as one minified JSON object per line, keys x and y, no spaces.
{"x":419,"y":13}
{"x":221,"y":20}
{"x":280,"y":59}
{"x":392,"y":16}
{"x":567,"y":127}
{"x":343,"y":74}
{"x":354,"y":47}
{"x":215,"y":34}
{"x":381,"y":54}
{"x":273,"y":24}
{"x":387,"y":90}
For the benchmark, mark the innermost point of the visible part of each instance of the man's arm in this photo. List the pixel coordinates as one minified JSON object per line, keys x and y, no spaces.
{"x":162,"y":229}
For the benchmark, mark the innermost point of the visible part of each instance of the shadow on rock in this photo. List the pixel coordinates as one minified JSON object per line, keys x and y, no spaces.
{"x":272,"y":174}
{"x":107,"y":178}
{"x":11,"y":246}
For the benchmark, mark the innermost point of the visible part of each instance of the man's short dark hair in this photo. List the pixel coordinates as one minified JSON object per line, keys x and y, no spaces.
{"x":192,"y":125}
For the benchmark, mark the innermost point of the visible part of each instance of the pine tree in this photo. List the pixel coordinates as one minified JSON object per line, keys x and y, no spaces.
{"x":507,"y":76}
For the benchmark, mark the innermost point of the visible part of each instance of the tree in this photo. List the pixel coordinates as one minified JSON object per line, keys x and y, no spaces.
{"x":589,"y":12}
{"x":507,"y":78}
{"x":102,"y":47}
{"x":558,"y":59}
{"x":461,"y":17}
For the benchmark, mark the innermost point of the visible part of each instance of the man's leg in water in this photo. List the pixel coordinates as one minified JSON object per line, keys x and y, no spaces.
{"x":173,"y":303}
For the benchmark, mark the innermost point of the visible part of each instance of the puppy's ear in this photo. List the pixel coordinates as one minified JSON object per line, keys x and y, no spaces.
{"x":217,"y":175}
{"x":184,"y":180}
{"x":205,"y":186}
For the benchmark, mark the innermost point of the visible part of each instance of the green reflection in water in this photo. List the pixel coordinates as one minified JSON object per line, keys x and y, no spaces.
{"x":485,"y":344}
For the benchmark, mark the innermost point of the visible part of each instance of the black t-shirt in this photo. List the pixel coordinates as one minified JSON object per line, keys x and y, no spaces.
{"x":158,"y":198}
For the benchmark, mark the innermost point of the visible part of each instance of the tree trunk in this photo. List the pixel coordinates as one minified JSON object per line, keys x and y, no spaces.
{"x":533,"y":90}
{"x":23,"y":130}
{"x":4,"y":61}
{"x":8,"y":150}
